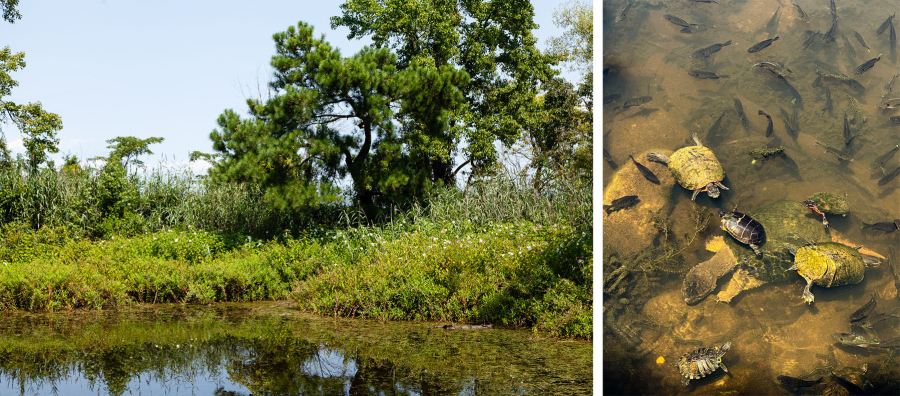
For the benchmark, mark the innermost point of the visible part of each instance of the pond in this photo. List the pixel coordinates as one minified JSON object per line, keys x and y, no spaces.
{"x":793,"y":77}
{"x":270,"y":348}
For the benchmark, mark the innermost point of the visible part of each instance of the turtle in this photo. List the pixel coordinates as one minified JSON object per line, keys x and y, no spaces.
{"x":829,"y":264}
{"x":694,"y":168}
{"x":697,"y":364}
{"x":701,"y":279}
{"x":827,"y":203}
{"x":743,"y":228}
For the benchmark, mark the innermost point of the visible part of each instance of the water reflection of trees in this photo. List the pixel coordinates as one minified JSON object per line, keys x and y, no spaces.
{"x":266,"y":356}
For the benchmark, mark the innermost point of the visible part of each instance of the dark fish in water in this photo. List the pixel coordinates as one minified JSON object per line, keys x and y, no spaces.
{"x":879,"y":162}
{"x":775,"y":68}
{"x":610,"y":98}
{"x":851,"y":339}
{"x":891,"y":103}
{"x":609,"y":159}
{"x":828,"y":104}
{"x":831,"y":34}
{"x":861,"y":41}
{"x":706,"y":52}
{"x":739,"y":107}
{"x":770,"y":128}
{"x":889,"y":87}
{"x":818,"y":81}
{"x":762,"y":44}
{"x":621,"y":203}
{"x":850,"y":50}
{"x":621,"y":16}
{"x":812,"y":38}
{"x":773,"y":23}
{"x":645,"y":171}
{"x":888,"y":177}
{"x":800,"y":11}
{"x":895,"y":119}
{"x":791,"y":122}
{"x":887,"y":22}
{"x":867,"y":65}
{"x":841,"y":156}
{"x":765,"y":153}
{"x":893,"y":36}
{"x":872,"y":320}
{"x":833,"y":10}
{"x":637,"y":101}
{"x":864,"y":311}
{"x":705,"y":1}
{"x":704,"y":74}
{"x":886,"y":226}
{"x":791,"y":166}
{"x":846,"y":130}
{"x":676,"y":20}
{"x":797,"y":383}
{"x":712,"y":136}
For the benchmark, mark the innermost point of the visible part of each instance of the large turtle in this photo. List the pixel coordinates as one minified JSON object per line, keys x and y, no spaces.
{"x":827,"y":203}
{"x":829,"y":264}
{"x":694,"y":168}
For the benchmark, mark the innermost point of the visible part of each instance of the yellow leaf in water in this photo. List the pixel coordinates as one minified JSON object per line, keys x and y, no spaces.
{"x":660,"y":360}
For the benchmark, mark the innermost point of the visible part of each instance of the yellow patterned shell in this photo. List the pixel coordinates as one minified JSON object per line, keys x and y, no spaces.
{"x":696,"y":166}
{"x":830,"y":264}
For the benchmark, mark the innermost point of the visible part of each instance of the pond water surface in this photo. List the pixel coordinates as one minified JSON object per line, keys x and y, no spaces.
{"x":270,"y":348}
{"x":650,"y":247}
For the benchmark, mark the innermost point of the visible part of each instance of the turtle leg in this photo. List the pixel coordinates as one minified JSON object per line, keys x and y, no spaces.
{"x":685,"y":380}
{"x":807,"y":295}
{"x":722,"y":186}
{"x":696,"y":192}
{"x":824,"y":221}
{"x":756,"y":249}
{"x":722,"y":365}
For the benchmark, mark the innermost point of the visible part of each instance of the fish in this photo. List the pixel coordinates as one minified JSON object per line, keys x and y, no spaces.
{"x":886,"y":226}
{"x":831,"y":33}
{"x":887,"y":22}
{"x":765,"y":153}
{"x":891,"y":103}
{"x":637,"y":101}
{"x":866,"y":65}
{"x":889,"y":87}
{"x":893,"y":36}
{"x":879,"y":162}
{"x":812,"y":38}
{"x":846,"y":130}
{"x":852,"y":339}
{"x":787,"y":122}
{"x":739,"y":108}
{"x":859,"y":38}
{"x":705,"y":1}
{"x":872,"y":320}
{"x":791,"y":166}
{"x":850,"y":50}
{"x":888,"y":177}
{"x":676,"y":20}
{"x":828,"y":105}
{"x":621,"y":16}
{"x":712,"y":136}
{"x":895,"y":119}
{"x":775,"y":68}
{"x":854,"y":85}
{"x":645,"y":171}
{"x":797,"y":383}
{"x":705,"y":74}
{"x":621,"y":203}
{"x":773,"y":23}
{"x":841,"y":156}
{"x":706,"y":52}
{"x":833,"y":10}
{"x":800,"y":11}
{"x":864,"y":311}
{"x":761,"y":45}
{"x":770,"y":128}
{"x":609,"y":160}
{"x":610,"y":98}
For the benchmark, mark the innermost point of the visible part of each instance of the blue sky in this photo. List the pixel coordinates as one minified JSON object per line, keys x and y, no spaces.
{"x":160,"y":68}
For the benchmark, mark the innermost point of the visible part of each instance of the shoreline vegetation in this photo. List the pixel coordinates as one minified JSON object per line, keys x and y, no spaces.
{"x":494,"y":253}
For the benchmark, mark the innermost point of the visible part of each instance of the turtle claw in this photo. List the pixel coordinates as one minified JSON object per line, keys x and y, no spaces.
{"x":807,"y":295}
{"x":694,"y":197}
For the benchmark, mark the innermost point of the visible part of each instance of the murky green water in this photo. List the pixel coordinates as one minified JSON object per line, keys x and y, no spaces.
{"x":268,"y":348}
{"x":650,"y":247}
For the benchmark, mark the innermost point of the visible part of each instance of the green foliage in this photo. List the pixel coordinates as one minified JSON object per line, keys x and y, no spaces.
{"x":490,"y":40}
{"x":10,"y":13}
{"x":576,"y":45}
{"x":128,"y":148}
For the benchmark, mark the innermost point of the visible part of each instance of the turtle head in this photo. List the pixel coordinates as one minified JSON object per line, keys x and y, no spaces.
{"x":723,"y":213}
{"x":724,"y":348}
{"x":712,"y":190}
{"x":808,"y":204}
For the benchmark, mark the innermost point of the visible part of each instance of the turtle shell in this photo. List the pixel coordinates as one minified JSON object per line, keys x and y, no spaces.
{"x":742,"y":227}
{"x":830,"y":203}
{"x":830,"y":264}
{"x":701,"y":362}
{"x":696,"y":166}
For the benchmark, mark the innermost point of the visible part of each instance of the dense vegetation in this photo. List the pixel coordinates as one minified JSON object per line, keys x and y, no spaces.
{"x":403,"y":241}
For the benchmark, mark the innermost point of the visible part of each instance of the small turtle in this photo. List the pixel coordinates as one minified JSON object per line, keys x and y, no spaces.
{"x":829,"y":264}
{"x":743,"y":228}
{"x":694,"y":168}
{"x":827,"y":203}
{"x":697,"y":364}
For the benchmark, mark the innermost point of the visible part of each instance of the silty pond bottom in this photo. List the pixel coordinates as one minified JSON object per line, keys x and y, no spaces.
{"x":269,"y":348}
{"x":794,"y":118}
